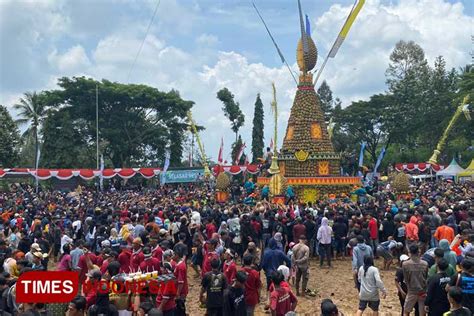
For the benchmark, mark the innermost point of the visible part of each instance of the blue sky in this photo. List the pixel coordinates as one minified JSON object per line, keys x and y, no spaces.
{"x":200,"y":46}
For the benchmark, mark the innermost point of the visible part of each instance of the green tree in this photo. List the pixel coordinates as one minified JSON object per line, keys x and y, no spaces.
{"x":231,"y":110}
{"x":31,"y":111}
{"x":408,"y":77}
{"x":257,"y":130}
{"x":9,"y":140}
{"x":364,"y":121}
{"x":326,"y":100}
{"x":64,"y":144}
{"x":136,"y":122}
{"x":235,"y":151}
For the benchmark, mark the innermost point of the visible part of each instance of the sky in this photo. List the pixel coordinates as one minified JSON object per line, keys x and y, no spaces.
{"x":201,"y":46}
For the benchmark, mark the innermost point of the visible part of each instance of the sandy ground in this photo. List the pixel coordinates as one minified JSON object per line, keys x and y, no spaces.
{"x":335,"y":283}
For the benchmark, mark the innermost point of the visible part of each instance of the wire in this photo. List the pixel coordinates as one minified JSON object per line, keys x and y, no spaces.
{"x":143,"y":42}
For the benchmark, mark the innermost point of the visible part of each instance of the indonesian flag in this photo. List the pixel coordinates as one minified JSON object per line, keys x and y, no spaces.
{"x":271,"y":144}
{"x":220,"y":158}
{"x":239,"y":155}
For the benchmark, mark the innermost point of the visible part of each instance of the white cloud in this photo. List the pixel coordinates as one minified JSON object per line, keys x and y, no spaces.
{"x":358,"y":70}
{"x":74,"y":60}
{"x":207,"y":40}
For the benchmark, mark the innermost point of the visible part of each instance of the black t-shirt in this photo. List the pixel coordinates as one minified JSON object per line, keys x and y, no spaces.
{"x":214,"y":284}
{"x":466,"y":282}
{"x":310,"y":229}
{"x":399,"y":278}
{"x":437,"y":298}
{"x":463,"y":311}
{"x":234,"y":302}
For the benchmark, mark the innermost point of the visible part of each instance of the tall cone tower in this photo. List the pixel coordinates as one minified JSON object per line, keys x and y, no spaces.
{"x":307,"y":149}
{"x":307,"y":160}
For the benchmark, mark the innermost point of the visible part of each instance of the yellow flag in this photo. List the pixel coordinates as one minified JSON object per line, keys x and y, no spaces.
{"x":345,"y":29}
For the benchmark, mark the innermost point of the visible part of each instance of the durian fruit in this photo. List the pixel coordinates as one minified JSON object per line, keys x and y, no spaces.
{"x":278,"y":185}
{"x":222,"y":181}
{"x":401,"y":183}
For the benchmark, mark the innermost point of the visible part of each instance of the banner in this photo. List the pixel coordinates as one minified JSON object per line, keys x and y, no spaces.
{"x":345,"y":29}
{"x":379,"y":160}
{"x":181,"y":176}
{"x":166,"y":165}
{"x":361,"y":155}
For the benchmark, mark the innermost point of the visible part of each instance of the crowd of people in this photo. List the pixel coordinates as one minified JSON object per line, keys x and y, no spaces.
{"x":180,"y":232}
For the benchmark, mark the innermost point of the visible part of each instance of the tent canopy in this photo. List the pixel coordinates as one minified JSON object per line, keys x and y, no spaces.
{"x":451,"y":171}
{"x":469,"y":172}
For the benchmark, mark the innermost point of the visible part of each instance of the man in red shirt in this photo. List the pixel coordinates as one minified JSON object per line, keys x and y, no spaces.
{"x":252,"y":285}
{"x":85,"y":263}
{"x":282,"y":300}
{"x":156,"y":250}
{"x":373,"y":231}
{"x":124,"y":258}
{"x":166,"y":297}
{"x":149,"y":264}
{"x":137,"y":254}
{"x":209,"y":255}
{"x":181,"y":274}
{"x":229,"y":268}
{"x":298,"y":230}
{"x":210,"y":229}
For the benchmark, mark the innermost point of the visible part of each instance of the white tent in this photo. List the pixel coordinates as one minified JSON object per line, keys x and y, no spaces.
{"x":450,"y":171}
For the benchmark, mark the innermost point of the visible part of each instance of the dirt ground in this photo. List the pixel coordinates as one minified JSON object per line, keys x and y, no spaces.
{"x":335,"y":283}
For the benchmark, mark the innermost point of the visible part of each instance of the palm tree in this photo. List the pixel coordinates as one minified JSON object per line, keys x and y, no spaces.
{"x":33,"y":112}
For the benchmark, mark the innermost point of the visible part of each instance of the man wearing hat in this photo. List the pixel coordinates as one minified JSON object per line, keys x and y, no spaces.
{"x":150,"y":263}
{"x":137,"y":254}
{"x":38,"y":257}
{"x":34,"y":248}
{"x":229,"y":268}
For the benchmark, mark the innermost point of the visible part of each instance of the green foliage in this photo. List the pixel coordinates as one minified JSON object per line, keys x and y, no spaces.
{"x":231,"y":110}
{"x":32,"y":111}
{"x":235,"y":151}
{"x":257,"y":130}
{"x":9,"y":140}
{"x":325,"y":98}
{"x":136,"y":122}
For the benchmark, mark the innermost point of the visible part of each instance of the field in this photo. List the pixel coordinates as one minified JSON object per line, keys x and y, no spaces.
{"x":335,"y":283}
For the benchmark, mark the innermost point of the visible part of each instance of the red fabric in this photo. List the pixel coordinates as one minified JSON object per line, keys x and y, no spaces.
{"x":298,"y":230}
{"x":444,"y":232}
{"x":373,"y":229}
{"x":181,"y":274}
{"x":210,"y":229}
{"x":136,"y":259}
{"x":252,"y":286}
{"x":124,"y":260}
{"x":104,"y":266}
{"x":256,"y":226}
{"x":206,"y":264}
{"x":281,"y":300}
{"x":412,"y":229}
{"x":150,"y":265}
{"x":230,"y":270}
{"x":168,"y":291}
{"x":158,"y":254}
{"x":82,"y":265}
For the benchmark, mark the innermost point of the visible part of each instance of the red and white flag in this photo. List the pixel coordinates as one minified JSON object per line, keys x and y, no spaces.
{"x":239,"y":155}
{"x":220,"y":157}
{"x":271,"y":143}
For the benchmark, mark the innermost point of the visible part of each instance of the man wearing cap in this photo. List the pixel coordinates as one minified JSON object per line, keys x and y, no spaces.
{"x":34,"y":248}
{"x":234,"y":301}
{"x":38,"y":257}
{"x":137,"y":254}
{"x":300,"y":259}
{"x":149,"y":264}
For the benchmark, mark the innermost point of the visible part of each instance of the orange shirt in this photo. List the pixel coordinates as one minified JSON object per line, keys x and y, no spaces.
{"x":444,"y":232}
